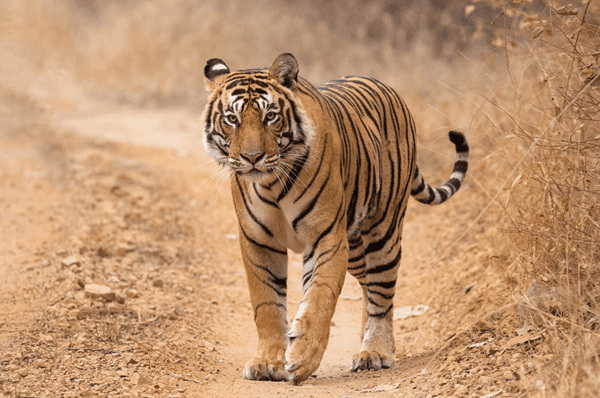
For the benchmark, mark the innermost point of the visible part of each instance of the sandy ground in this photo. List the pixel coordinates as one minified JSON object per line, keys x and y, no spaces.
{"x":120,"y":274}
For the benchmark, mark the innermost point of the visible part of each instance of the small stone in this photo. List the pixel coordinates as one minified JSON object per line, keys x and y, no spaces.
{"x":93,"y":291}
{"x":130,"y":361}
{"x":23,"y":372}
{"x":46,"y":338}
{"x":508,"y":375}
{"x":69,"y":261}
{"x":140,"y":379}
{"x":39,"y":363}
{"x":123,"y":248}
{"x":158,"y":283}
{"x":484,"y":326}
{"x":122,"y":372}
{"x":132,"y":293}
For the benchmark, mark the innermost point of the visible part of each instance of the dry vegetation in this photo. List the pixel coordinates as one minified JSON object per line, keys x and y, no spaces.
{"x":551,"y":194}
{"x":529,"y":99}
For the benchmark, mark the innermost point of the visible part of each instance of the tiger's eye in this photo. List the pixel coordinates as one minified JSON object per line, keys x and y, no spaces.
{"x":270,"y":116}
{"x":232,"y":119}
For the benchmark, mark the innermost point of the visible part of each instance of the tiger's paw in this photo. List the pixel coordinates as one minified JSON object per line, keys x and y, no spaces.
{"x":306,"y":349}
{"x":371,"y":360}
{"x":262,"y":369}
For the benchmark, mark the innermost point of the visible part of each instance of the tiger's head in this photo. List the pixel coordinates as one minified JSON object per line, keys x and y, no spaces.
{"x":255,"y":122}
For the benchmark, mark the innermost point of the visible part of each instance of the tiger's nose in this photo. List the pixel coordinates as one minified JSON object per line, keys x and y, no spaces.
{"x":253,"y":157}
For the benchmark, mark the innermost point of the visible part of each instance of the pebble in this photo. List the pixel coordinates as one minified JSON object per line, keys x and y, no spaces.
{"x":139,"y":379}
{"x":46,"y":338}
{"x":39,"y":363}
{"x":124,"y":248}
{"x":130,"y":361}
{"x":93,"y":290}
{"x":508,"y":375}
{"x":69,"y":261}
{"x":23,"y":372}
{"x":158,"y":283}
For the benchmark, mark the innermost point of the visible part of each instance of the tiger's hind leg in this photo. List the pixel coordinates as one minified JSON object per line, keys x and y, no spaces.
{"x":377,"y":277}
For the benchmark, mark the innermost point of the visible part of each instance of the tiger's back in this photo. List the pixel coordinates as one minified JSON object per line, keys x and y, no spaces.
{"x":378,"y":141}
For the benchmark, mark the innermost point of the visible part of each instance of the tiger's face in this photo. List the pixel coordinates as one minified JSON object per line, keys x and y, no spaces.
{"x":255,"y":124}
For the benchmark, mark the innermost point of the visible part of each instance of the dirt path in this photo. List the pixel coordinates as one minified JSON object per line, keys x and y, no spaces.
{"x":146,"y":219}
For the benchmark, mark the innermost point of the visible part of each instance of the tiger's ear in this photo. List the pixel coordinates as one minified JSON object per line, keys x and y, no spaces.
{"x":214,"y":71}
{"x":285,"y":71}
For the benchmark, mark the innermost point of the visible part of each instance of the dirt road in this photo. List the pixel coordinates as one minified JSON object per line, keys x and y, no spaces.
{"x":121,"y":275}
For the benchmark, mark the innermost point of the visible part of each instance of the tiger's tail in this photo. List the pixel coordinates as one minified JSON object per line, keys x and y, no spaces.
{"x":435,"y":196}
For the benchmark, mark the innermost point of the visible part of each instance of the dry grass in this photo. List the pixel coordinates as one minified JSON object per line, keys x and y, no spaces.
{"x":548,"y":105}
{"x":532,"y":116}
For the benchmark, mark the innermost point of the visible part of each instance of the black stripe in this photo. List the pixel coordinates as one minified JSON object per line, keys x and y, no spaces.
{"x":383,"y":295}
{"x":316,"y":174}
{"x":359,"y":266}
{"x":292,"y":176}
{"x":461,"y":166}
{"x":325,"y":232}
{"x":357,"y":258}
{"x":255,"y":243}
{"x":454,"y":183}
{"x":263,"y":199}
{"x":382,"y":314}
{"x":430,"y":197}
{"x":249,"y":211}
{"x":280,"y":283}
{"x":385,"y":285}
{"x":380,"y":243}
{"x":443,"y":195}
{"x":311,"y":205}
{"x":385,"y":267}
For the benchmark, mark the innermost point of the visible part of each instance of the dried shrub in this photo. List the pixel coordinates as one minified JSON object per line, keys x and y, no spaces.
{"x":551,"y":198}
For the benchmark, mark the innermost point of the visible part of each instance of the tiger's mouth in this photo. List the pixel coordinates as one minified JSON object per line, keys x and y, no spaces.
{"x":253,"y":171}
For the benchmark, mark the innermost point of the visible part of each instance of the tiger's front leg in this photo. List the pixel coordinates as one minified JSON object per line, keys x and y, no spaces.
{"x":323,"y":278}
{"x":266,"y":271}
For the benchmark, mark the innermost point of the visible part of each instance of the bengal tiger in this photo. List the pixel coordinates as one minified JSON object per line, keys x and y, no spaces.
{"x":325,"y":171}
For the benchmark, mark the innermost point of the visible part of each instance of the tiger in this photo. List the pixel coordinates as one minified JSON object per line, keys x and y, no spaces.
{"x":324,"y":171}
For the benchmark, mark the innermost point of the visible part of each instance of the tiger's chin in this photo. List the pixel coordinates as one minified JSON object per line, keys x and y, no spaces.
{"x":256,"y":175}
